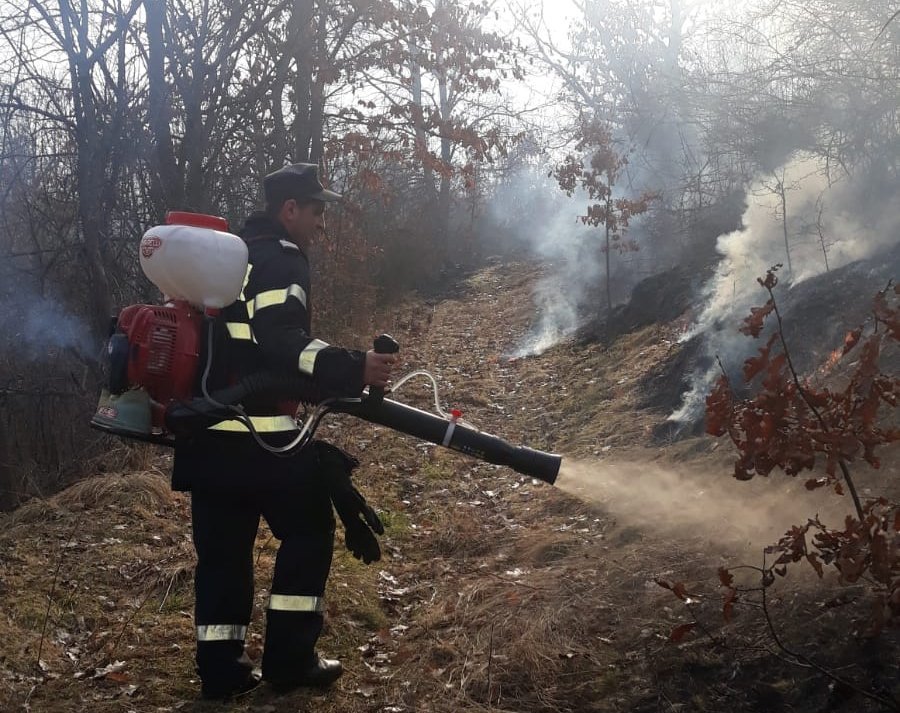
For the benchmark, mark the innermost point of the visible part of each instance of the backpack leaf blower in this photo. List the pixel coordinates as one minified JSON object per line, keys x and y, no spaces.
{"x":154,"y":360}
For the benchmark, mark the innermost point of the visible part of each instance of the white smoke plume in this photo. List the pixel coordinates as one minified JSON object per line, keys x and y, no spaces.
{"x":557,"y":313}
{"x":38,"y":326}
{"x":540,"y":216}
{"x":535,"y":213}
{"x":817,"y":211}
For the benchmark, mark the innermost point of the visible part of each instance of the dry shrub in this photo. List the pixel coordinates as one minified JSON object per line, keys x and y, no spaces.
{"x":176,"y":574}
{"x":549,"y":550}
{"x":149,"y":489}
{"x":34,"y":511}
{"x":44,"y":435}
{"x":125,"y":456}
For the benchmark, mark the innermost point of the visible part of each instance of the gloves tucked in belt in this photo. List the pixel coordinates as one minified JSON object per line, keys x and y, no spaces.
{"x":358,"y":517}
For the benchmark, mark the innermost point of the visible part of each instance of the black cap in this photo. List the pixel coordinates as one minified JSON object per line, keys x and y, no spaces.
{"x":299,"y":181}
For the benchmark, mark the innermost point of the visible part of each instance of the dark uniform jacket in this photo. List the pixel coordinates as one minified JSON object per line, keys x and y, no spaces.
{"x":268,"y":328}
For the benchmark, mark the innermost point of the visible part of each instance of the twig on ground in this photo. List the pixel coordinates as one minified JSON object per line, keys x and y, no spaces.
{"x":166,"y":595}
{"x":53,"y":588}
{"x":131,"y":618}
{"x":263,"y":549}
{"x":490,"y":665}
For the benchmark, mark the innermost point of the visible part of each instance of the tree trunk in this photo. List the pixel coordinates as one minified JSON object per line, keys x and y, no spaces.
{"x":418,"y":119}
{"x":782,"y":195}
{"x":196,"y":134}
{"x":90,"y":169}
{"x":444,"y":197}
{"x":166,"y":184}
{"x":608,"y":274}
{"x":317,"y":105}
{"x":821,"y":232}
{"x":302,"y":22}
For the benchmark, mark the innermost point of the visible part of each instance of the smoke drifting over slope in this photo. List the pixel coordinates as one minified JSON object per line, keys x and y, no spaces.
{"x":828,"y":225}
{"x":531,"y":210}
{"x":830,"y":222}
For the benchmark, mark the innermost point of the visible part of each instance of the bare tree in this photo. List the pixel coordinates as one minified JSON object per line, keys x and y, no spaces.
{"x":95,"y":56}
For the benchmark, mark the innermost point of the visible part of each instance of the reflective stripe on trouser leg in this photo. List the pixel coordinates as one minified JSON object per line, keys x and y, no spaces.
{"x":221,"y":632}
{"x":294,"y":621}
{"x":224,"y":530}
{"x":304,"y":523}
{"x":297,"y":603}
{"x":290,"y":646}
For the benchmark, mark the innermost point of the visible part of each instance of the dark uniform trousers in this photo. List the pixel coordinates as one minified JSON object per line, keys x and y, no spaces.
{"x":234,"y":481}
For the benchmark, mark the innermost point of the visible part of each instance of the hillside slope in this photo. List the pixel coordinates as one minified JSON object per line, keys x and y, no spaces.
{"x":496,"y":592}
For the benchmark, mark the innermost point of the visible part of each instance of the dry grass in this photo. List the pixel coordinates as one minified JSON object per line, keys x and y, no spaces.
{"x":148,"y":489}
{"x":495,"y":593}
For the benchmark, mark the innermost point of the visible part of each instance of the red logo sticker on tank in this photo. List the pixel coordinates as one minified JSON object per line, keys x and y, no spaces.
{"x":149,"y":245}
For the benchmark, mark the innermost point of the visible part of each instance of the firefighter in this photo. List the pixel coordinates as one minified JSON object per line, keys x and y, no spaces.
{"x":233,"y":481}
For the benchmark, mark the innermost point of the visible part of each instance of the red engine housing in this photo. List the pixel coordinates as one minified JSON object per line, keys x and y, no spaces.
{"x":163,"y":349}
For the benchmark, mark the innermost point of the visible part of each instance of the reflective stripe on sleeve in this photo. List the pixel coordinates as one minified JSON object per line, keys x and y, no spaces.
{"x":262,"y":424}
{"x":221,"y":632}
{"x":272,"y":298}
{"x":246,"y":279}
{"x":296,"y":602}
{"x":308,"y":356}
{"x":241,"y":331}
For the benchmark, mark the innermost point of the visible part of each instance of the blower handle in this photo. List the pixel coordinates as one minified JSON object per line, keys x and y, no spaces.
{"x":384,"y":344}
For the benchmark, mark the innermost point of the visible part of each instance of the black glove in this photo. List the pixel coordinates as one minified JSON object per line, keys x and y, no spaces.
{"x":359,"y":519}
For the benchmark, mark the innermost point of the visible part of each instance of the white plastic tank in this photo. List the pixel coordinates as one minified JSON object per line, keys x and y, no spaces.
{"x":193,"y":257}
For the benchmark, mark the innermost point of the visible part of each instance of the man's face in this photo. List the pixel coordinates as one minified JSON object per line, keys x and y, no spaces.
{"x":303,"y":222}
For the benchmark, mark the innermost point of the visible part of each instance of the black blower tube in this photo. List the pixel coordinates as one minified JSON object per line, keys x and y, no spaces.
{"x":188,"y":417}
{"x":456,"y":436}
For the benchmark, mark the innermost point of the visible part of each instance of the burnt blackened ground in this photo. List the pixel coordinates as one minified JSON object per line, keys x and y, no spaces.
{"x":820,"y":311}
{"x":817,"y":314}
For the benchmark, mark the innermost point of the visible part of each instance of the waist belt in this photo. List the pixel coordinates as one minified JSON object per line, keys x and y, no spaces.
{"x":262,"y":424}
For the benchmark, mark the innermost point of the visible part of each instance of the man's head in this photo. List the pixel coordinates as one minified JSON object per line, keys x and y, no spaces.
{"x":296,"y":198}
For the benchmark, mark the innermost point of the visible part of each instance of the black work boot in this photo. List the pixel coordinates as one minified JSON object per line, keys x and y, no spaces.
{"x":221,"y":691}
{"x":321,"y":674}
{"x":241,"y":678}
{"x":289,"y":658}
